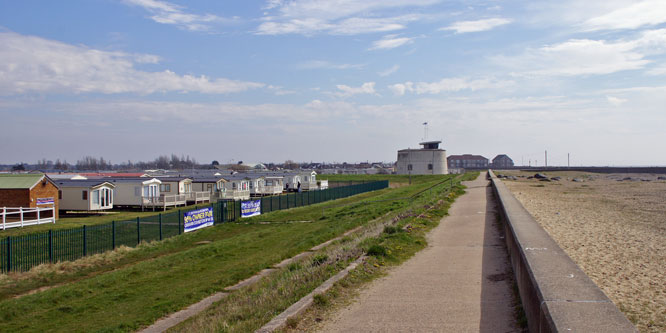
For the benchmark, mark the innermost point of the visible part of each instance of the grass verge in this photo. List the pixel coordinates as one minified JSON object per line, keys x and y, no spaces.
{"x":133,"y":289}
{"x":394,"y":237}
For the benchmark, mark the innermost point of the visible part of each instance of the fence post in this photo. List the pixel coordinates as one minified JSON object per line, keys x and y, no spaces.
{"x":9,"y":253}
{"x":21,"y":211}
{"x":50,"y":246}
{"x":4,"y":217}
{"x":160,"y":217}
{"x":179,"y":221}
{"x":85,"y":242}
{"x":113,"y":234}
{"x":138,"y":230}
{"x":38,"y":222}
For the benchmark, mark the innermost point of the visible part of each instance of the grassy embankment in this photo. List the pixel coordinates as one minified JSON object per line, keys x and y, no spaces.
{"x":388,"y":240}
{"x":127,"y":289}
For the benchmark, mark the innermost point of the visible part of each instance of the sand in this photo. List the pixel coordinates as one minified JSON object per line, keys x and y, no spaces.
{"x":614,"y":229}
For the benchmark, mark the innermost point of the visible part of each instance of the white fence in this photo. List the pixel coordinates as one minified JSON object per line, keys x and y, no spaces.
{"x":198,"y":197}
{"x":20,"y":217}
{"x":175,"y":199}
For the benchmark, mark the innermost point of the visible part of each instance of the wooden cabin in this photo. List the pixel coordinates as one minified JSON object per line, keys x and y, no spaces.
{"x":85,"y":195}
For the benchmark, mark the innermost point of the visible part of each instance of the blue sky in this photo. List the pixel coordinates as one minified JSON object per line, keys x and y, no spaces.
{"x":334,"y":80}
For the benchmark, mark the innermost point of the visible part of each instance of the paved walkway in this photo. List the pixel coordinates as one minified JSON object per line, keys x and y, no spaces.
{"x":458,"y":284}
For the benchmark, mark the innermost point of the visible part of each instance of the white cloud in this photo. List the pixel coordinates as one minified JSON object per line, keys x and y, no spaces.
{"x":334,"y":9}
{"x":658,"y":70}
{"x":389,"y":71}
{"x":323,"y":64}
{"x":365,"y":88}
{"x":476,"y":26}
{"x":390,"y":42}
{"x":588,"y":57}
{"x":35,"y":64}
{"x":615,"y":101}
{"x":337,"y":17}
{"x":447,"y":85}
{"x":168,"y":13}
{"x":349,"y":26}
{"x":631,"y":16}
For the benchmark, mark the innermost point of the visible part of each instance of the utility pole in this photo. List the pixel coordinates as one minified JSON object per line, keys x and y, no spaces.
{"x":546,"y":158}
{"x":568,"y":165}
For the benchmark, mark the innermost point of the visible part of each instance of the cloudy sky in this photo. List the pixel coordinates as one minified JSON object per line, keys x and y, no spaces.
{"x":333,"y":80}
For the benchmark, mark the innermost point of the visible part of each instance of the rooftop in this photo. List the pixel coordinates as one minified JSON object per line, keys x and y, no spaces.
{"x":19,"y":181}
{"x":82,"y":182}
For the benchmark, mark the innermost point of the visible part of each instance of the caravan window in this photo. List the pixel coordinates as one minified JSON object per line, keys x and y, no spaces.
{"x":84,"y":195}
{"x":95,"y":197}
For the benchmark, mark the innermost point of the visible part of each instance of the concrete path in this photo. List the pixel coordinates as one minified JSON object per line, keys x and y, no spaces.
{"x":460,"y":283}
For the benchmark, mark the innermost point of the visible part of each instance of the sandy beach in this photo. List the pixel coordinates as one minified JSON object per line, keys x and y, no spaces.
{"x":614,"y":227}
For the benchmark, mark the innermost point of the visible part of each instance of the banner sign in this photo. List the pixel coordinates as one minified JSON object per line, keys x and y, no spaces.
{"x":45,"y":201}
{"x":250,"y":208}
{"x":197,"y":219}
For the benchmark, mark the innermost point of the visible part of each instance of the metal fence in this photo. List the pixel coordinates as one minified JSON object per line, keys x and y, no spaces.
{"x":21,"y":253}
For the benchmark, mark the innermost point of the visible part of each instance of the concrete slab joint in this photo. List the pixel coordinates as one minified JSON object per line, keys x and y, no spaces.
{"x":556,"y":294}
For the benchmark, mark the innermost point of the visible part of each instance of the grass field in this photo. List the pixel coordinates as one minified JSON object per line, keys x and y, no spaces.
{"x":401,"y":233}
{"x":402,"y":179}
{"x":127,"y":289}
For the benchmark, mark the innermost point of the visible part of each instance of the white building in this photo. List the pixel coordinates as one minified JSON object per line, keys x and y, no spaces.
{"x":85,"y":195}
{"x":429,"y":160}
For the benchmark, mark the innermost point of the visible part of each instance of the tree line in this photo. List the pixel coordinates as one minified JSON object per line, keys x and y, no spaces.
{"x":91,"y":163}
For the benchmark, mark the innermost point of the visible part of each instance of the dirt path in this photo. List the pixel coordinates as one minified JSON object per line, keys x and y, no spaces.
{"x":461,"y":282}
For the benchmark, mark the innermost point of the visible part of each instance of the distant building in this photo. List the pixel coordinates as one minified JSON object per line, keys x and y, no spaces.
{"x":467,"y":161}
{"x":429,"y":160}
{"x":502,"y":161}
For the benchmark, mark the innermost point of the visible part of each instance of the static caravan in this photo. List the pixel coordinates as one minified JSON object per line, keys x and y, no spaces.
{"x":308,"y":180}
{"x":175,"y":185}
{"x":135,"y":191}
{"x":257,"y":183}
{"x":175,"y":191}
{"x":237,"y":187}
{"x":213,"y":187}
{"x":85,"y":195}
{"x":266,"y":183}
{"x":208,"y":184}
{"x":273,"y":185}
{"x":291,"y":181}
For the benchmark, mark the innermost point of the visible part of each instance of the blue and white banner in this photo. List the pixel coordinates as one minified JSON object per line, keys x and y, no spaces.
{"x":45,"y":201}
{"x":250,"y":208}
{"x":197,"y":219}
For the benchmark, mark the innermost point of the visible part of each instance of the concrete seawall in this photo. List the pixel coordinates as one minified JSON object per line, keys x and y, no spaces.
{"x":557,"y":295}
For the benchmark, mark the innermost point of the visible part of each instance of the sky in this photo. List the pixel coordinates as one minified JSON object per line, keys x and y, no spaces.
{"x":333,"y":80}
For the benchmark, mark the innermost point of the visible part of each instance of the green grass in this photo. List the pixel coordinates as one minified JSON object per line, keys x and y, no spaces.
{"x":135,"y":289}
{"x":403,"y":179}
{"x":249,"y":309}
